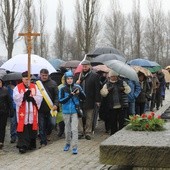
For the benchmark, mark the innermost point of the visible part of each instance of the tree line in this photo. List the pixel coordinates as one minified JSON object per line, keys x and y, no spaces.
{"x":134,"y":34}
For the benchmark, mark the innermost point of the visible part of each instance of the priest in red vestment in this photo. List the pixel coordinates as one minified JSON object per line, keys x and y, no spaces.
{"x":28,"y":99}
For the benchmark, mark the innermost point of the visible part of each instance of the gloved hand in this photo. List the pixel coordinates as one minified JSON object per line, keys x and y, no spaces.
{"x":121,"y":89}
{"x":31,"y":99}
{"x":26,"y":94}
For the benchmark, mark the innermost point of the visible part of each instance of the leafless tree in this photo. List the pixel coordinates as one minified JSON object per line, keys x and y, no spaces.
{"x":136,"y":27}
{"x":86,"y":24}
{"x":60,"y":32}
{"x":154,"y":31}
{"x":115,"y":29}
{"x":10,"y":15}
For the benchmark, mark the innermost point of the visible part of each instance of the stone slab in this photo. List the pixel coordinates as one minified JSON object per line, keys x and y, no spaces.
{"x":137,"y":149}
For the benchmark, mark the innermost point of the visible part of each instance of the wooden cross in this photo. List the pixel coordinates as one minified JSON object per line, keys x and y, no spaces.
{"x":28,"y":35}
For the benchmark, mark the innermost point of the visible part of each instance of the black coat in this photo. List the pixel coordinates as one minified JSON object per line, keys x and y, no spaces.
{"x":6,"y":106}
{"x":91,"y":87}
{"x":52,"y":90}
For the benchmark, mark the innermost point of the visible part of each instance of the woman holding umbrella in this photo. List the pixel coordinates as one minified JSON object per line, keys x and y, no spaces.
{"x":113,"y":94}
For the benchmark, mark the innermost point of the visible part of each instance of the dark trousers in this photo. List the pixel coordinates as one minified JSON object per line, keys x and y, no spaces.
{"x":3,"y":122}
{"x":45,"y":126}
{"x":27,"y":138}
{"x":117,"y":119}
{"x":140,"y":108}
{"x":152,"y":101}
{"x":13,"y":126}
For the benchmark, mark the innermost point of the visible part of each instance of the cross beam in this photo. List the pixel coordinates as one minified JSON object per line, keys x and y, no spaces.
{"x":28,"y":36}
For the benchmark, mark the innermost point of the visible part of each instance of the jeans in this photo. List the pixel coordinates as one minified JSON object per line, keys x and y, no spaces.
{"x":45,"y":126}
{"x":13,"y":126}
{"x":131,"y":110}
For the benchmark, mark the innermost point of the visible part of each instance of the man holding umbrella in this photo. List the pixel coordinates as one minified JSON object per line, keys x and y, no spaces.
{"x":90,"y":83}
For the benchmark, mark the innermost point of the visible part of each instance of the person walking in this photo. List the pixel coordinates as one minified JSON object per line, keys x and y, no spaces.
{"x":27,"y":98}
{"x":44,"y":117}
{"x":6,"y":109}
{"x":113,"y":93}
{"x":69,"y":96}
{"x":90,"y":84}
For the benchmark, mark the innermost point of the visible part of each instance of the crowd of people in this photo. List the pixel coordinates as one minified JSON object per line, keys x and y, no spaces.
{"x":115,"y":97}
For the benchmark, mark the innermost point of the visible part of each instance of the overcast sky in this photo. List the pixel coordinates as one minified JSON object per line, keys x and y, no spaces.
{"x":126,"y":6}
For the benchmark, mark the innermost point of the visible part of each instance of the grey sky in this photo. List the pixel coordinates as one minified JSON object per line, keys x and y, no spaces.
{"x":126,"y":6}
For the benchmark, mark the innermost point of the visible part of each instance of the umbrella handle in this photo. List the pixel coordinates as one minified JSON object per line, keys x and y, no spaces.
{"x":79,"y":76}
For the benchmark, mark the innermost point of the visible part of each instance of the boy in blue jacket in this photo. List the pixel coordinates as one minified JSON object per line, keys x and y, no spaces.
{"x":69,"y":96}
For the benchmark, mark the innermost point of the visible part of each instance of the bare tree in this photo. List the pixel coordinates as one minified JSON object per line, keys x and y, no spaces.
{"x":60,"y":32}
{"x":154,"y":31}
{"x":136,"y":25}
{"x":9,"y":22}
{"x":87,"y":23}
{"x":44,"y":38}
{"x":115,"y":29}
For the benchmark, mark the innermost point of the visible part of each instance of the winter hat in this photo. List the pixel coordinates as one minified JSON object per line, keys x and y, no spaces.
{"x":112,"y":73}
{"x":86,"y":62}
{"x":68,"y":74}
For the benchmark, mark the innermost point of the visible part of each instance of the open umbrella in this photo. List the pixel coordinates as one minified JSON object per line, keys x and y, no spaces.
{"x":151,"y":65}
{"x":105,"y":57}
{"x":19,"y":63}
{"x":55,"y":62}
{"x":70,"y":64}
{"x":167,"y":67}
{"x":2,"y":73}
{"x":143,"y":70}
{"x":167,"y":75}
{"x":122,"y":69}
{"x":102,"y":68}
{"x":15,"y":76}
{"x":104,"y":50}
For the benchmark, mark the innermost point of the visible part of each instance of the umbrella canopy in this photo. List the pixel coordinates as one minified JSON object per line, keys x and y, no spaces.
{"x":19,"y":63}
{"x":143,"y":70}
{"x":70,"y":64}
{"x":122,"y":69}
{"x":15,"y":76}
{"x":104,"y":50}
{"x":167,"y":67}
{"x":106,"y":57}
{"x":151,"y":65}
{"x":12,"y":76}
{"x":142,"y":62}
{"x":167,"y":75}
{"x":55,"y":62}
{"x":2,"y":73}
{"x":102,"y":68}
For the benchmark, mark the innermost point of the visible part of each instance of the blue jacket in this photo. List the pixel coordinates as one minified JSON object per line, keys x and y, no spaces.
{"x":135,"y":90}
{"x":67,"y":100}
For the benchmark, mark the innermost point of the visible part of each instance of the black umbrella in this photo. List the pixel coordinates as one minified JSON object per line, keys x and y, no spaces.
{"x":12,"y":76}
{"x":106,"y":57}
{"x":104,"y":50}
{"x":15,"y":76}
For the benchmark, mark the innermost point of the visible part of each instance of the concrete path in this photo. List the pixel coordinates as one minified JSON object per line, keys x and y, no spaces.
{"x":53,"y":157}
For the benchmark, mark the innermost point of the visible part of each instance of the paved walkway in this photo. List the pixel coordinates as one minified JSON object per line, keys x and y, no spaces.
{"x":52,"y":156}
